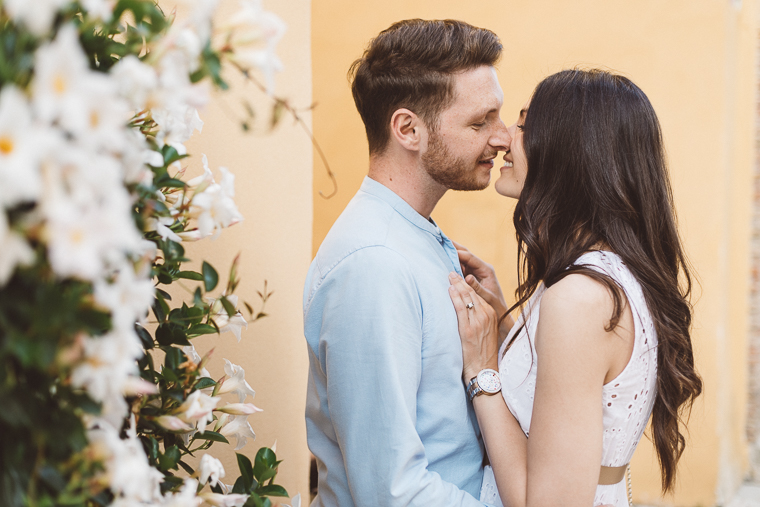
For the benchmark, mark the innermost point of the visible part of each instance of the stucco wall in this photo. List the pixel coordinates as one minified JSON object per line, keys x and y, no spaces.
{"x":273,"y":191}
{"x":695,"y":59}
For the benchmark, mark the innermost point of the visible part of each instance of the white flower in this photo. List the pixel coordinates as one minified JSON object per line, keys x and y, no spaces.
{"x":177,"y":123}
{"x":185,"y":497}
{"x":254,"y":34}
{"x":20,"y":143}
{"x":99,"y":9}
{"x":235,"y":382}
{"x":88,"y":213}
{"x":128,"y":297}
{"x":83,"y":102}
{"x":161,"y":226}
{"x":200,"y":14}
{"x":191,"y":235}
{"x":240,"y":428}
{"x":197,"y":409}
{"x":193,"y":355}
{"x":214,"y":206}
{"x":189,"y":44}
{"x":172,"y":423}
{"x":135,"y":158}
{"x":134,"y":386}
{"x":224,"y":322}
{"x":210,"y":470}
{"x":37,"y":16}
{"x":59,"y":71}
{"x":296,"y":501}
{"x":135,"y":81}
{"x":14,"y":250}
{"x":219,"y":500}
{"x":82,"y":240}
{"x":100,"y":121}
{"x":239,"y":409}
{"x":126,"y":465}
{"x":107,"y":369}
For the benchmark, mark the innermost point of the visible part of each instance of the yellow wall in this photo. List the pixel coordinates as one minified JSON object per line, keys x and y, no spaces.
{"x":273,"y":192}
{"x":696,"y":61}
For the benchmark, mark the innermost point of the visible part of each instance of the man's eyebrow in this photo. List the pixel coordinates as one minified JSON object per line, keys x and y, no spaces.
{"x":485,"y":112}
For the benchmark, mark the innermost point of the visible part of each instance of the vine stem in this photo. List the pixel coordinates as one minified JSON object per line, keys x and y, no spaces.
{"x":297,"y":117}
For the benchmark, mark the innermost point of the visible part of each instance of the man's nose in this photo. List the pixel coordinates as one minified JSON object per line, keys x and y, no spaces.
{"x":501,"y":139}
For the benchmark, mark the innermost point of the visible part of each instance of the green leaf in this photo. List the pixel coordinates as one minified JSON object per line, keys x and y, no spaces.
{"x":212,"y":436}
{"x":171,"y":334}
{"x":265,"y":465}
{"x":153,"y":448}
{"x":246,"y":471}
{"x":145,"y":337}
{"x":205,"y":382}
{"x":169,"y":459}
{"x":187,"y":468}
{"x":266,"y":457}
{"x":228,"y":307}
{"x":171,"y":155}
{"x":272,"y":490}
{"x":170,"y":183}
{"x":256,"y":501}
{"x":267,"y":474}
{"x":190,"y":275}
{"x":160,"y":309}
{"x":210,"y":276}
{"x":199,"y":329}
{"x":174,"y":357}
{"x":198,"y":297}
{"x":170,"y":375}
{"x":239,"y":487}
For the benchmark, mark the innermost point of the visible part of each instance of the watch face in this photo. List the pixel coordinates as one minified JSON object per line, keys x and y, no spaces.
{"x":489,"y":381}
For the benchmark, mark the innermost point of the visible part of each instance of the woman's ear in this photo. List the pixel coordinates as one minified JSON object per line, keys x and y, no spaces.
{"x":407,"y":129}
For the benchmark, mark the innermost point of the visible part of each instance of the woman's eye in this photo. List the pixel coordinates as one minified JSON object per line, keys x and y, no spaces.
{"x":521,"y":127}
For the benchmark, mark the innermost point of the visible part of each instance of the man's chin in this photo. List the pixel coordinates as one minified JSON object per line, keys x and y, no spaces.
{"x":471,"y":185}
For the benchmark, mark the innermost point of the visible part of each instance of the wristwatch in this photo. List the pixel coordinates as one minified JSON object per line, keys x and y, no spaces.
{"x":486,"y":382}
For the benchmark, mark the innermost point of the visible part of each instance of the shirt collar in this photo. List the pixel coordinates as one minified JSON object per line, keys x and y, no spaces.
{"x":401,"y":206}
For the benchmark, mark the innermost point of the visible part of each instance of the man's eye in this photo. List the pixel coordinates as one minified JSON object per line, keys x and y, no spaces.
{"x":479,"y":124}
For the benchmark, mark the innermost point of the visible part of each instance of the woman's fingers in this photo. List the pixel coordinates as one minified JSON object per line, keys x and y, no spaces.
{"x":470,"y":299}
{"x":459,"y":246}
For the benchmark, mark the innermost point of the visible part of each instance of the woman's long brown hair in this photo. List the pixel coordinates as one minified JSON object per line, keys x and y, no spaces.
{"x":597,"y":175}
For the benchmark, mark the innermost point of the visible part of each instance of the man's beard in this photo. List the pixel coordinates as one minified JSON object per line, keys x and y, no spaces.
{"x":452,"y":173}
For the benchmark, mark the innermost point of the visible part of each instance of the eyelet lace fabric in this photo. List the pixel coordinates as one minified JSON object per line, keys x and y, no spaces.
{"x":627,"y":400}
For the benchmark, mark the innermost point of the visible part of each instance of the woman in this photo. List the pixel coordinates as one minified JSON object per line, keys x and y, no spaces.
{"x":603,"y":339}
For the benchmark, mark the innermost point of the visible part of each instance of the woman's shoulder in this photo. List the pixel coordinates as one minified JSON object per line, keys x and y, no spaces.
{"x":577,"y":295}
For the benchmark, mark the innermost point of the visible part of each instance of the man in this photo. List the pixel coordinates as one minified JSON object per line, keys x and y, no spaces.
{"x":387,"y":414}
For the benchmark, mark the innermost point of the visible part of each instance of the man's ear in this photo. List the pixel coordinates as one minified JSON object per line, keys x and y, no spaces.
{"x":406,"y":129}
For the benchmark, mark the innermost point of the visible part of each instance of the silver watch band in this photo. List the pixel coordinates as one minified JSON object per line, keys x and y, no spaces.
{"x":473,"y":389}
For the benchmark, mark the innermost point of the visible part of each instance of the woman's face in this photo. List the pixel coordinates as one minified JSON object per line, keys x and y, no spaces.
{"x":515,"y":167}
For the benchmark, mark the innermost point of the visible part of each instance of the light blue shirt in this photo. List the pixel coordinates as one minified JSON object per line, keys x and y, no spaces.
{"x":386,"y":414}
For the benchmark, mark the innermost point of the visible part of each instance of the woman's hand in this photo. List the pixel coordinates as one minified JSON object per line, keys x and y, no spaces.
{"x":478,"y":328}
{"x":482,"y":278}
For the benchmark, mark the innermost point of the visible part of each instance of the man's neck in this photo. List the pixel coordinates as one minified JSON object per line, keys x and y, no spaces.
{"x":409,"y":182}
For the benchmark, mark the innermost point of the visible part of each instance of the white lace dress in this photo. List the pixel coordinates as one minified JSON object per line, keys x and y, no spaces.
{"x":627,"y":400}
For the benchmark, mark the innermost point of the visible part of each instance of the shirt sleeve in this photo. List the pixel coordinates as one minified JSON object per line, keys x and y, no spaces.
{"x":370,"y":350}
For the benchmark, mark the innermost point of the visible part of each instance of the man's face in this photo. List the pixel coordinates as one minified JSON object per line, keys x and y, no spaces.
{"x":460,"y":151}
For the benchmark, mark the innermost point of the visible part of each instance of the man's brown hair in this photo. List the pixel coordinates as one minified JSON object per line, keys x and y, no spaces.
{"x":411,"y":65}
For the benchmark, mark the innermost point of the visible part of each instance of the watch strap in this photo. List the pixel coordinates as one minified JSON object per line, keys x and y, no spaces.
{"x":473,"y":389}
